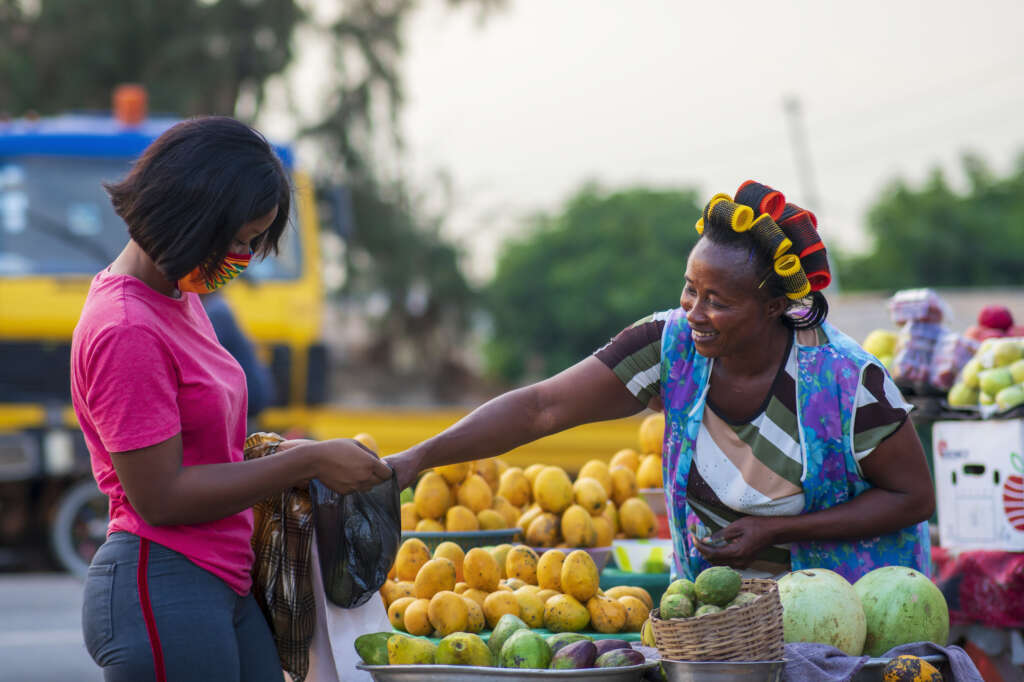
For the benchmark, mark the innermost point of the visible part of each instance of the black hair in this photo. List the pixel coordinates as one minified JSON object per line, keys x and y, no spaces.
{"x":194,"y":187}
{"x":804,"y":313}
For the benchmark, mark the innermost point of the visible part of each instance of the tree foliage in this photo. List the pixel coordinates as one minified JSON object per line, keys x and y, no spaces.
{"x":605,"y":260}
{"x":934,"y":236}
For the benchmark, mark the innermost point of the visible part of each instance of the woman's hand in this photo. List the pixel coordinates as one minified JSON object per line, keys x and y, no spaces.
{"x":737,"y":544}
{"x":406,"y":466}
{"x":346,"y":466}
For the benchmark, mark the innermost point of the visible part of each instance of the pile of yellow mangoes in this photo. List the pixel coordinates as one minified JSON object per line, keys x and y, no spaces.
{"x":456,"y":591}
{"x":552,"y":510}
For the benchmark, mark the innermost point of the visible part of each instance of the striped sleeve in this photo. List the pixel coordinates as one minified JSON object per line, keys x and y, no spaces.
{"x":880,"y":411}
{"x":635,"y":356}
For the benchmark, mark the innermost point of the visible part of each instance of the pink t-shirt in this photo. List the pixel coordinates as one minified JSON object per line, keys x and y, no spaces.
{"x":145,"y":367}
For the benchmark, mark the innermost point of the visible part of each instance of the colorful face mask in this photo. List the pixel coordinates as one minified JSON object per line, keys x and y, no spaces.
{"x":230,"y":268}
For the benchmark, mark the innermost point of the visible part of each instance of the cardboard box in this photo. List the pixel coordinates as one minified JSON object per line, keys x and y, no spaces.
{"x":979,"y":483}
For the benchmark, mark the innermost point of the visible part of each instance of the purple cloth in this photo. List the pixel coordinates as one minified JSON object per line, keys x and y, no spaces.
{"x":805,"y":661}
{"x":820,"y":662}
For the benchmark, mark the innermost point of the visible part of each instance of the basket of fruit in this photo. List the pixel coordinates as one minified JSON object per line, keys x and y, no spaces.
{"x":719,"y":617}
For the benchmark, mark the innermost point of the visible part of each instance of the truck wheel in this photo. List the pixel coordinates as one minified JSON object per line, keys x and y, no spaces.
{"x":80,"y":526}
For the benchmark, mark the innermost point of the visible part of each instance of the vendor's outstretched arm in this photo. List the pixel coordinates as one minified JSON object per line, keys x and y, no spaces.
{"x":586,"y":392}
{"x":903,"y":494}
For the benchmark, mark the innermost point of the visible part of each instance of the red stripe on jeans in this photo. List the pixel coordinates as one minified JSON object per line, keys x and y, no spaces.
{"x":147,"y":611}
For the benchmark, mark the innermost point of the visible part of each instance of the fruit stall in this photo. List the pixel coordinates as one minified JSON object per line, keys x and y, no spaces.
{"x":525,"y":573}
{"x":968,"y":391}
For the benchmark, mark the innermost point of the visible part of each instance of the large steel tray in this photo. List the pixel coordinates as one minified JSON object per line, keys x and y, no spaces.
{"x":467,"y":673}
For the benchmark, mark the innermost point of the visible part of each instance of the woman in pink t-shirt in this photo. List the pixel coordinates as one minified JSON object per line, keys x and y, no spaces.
{"x":162,"y":406}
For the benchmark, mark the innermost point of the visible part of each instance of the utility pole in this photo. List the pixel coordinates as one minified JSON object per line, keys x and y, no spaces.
{"x":805,"y":169}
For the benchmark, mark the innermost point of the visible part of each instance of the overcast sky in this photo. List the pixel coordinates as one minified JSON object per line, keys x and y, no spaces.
{"x":550,"y":93}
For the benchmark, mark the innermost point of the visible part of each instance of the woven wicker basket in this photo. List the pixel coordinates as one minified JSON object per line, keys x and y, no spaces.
{"x":751,"y":632}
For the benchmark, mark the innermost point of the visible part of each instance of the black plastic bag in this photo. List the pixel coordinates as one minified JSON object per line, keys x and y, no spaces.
{"x":357,"y":537}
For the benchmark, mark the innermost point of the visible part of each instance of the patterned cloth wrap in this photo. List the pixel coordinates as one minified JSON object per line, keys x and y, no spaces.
{"x":981,"y":586}
{"x":282,"y":539}
{"x":829,"y":376}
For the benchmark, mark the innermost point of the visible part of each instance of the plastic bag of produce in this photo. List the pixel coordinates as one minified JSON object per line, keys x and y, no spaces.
{"x":357,"y":538}
{"x":951,"y":353}
{"x":918,"y":305}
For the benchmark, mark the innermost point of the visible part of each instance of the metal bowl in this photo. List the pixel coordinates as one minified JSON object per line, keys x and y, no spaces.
{"x":871,"y":671}
{"x":723,"y":671}
{"x":466,"y":673}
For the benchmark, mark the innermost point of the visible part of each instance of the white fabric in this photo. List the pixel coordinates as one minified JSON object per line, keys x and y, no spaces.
{"x":332,"y":654}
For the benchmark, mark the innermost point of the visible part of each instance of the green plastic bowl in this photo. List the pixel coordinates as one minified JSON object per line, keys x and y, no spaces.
{"x":466,"y":539}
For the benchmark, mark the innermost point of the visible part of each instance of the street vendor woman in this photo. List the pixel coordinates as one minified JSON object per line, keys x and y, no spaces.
{"x":787,"y":446}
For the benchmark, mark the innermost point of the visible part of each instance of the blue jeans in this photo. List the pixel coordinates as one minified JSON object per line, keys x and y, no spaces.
{"x":184,"y":624}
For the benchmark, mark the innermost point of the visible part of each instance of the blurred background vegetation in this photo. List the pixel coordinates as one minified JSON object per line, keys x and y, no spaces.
{"x":575,"y":275}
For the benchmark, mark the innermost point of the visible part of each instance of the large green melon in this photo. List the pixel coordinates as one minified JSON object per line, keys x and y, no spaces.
{"x":901,"y":605}
{"x":819,"y":605}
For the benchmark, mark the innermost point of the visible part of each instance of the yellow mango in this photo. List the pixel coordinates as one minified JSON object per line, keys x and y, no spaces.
{"x":549,"y":570}
{"x":651,"y":435}
{"x":627,"y":457}
{"x":521,"y":562}
{"x":590,"y":494}
{"x":489,"y":519}
{"x":475,"y":493}
{"x":411,"y":555}
{"x":454,"y":473}
{"x":578,"y":528}
{"x":476,"y":595}
{"x":416,"y":620}
{"x":544,"y":595}
{"x":396,"y":612}
{"x":604,"y":530}
{"x":499,"y":553}
{"x":451,"y":551}
{"x":480,"y":570}
{"x":429,"y":526}
{"x":460,"y":518}
{"x":623,"y":485}
{"x":543,"y":531}
{"x":637,"y":518}
{"x":636,"y":613}
{"x":497,"y":604}
{"x":620,"y":591}
{"x":409,"y":516}
{"x":527,"y":517}
{"x":487,"y":469}
{"x":432,"y":496}
{"x":367,"y":441}
{"x":599,"y":471}
{"x":649,"y":474}
{"x":531,"y":608}
{"x":579,"y":576}
{"x":475,"y":621}
{"x":515,"y":487}
{"x":508,"y":511}
{"x":531,"y":472}
{"x":564,"y":613}
{"x":448,"y":613}
{"x":611,"y":513}
{"x":437,"y":575}
{"x":606,"y":615}
{"x":552,"y":490}
{"x":393,"y":591}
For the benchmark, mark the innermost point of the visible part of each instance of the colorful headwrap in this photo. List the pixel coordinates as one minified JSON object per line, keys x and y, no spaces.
{"x":786,"y":232}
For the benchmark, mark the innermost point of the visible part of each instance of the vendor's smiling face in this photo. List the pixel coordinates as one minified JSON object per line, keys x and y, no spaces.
{"x":728,"y":314}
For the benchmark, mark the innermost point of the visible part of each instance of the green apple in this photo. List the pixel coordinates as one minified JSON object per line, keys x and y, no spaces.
{"x":880,"y":342}
{"x":992,"y":381}
{"x":961,"y":395}
{"x":1017,"y":370}
{"x":986,"y":399}
{"x":969,"y":374}
{"x":1010,"y":397}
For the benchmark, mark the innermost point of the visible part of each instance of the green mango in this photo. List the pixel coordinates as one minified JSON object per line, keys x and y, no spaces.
{"x":503,"y":629}
{"x":462,"y":648}
{"x":525,"y":649}
{"x":405,"y":650}
{"x":373,"y":647}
